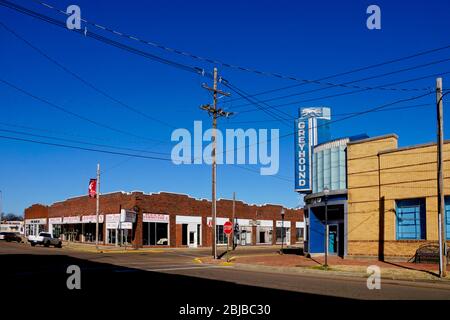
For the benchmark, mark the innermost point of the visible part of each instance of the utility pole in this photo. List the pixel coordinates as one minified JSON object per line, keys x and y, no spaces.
{"x":440,"y":182}
{"x":212,"y":110}
{"x":234,"y":219}
{"x":97,"y":194}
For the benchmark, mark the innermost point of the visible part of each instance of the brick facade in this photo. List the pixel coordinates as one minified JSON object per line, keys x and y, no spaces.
{"x":378,"y":175}
{"x":169,"y":204}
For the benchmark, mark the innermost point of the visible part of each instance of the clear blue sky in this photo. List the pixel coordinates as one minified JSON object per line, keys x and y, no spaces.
{"x":306,"y":39}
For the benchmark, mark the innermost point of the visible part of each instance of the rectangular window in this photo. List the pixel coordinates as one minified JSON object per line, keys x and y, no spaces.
{"x":300,"y":234}
{"x":155,"y":233}
{"x":281,"y":233}
{"x":410,"y":216}
{"x":220,"y":235}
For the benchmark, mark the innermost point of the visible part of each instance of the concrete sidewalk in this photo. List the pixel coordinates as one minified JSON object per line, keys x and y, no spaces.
{"x":90,"y":247}
{"x":337,"y":266}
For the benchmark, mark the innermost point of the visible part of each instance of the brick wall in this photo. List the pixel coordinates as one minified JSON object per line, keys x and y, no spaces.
{"x":165,"y":203}
{"x":378,"y":175}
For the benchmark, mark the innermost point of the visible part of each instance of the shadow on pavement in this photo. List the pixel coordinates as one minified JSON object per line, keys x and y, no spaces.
{"x":44,"y":278}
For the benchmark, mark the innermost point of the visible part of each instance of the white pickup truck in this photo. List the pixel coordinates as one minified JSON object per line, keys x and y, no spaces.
{"x":45,"y":239}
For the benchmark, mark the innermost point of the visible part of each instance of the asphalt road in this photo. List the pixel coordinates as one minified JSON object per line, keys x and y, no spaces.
{"x":172,"y":279}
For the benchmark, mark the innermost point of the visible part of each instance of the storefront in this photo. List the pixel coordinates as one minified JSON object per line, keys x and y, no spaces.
{"x":155,"y":230}
{"x":160,"y":219}
{"x":34,"y":226}
{"x":283,"y":232}
{"x":55,"y":226}
{"x":88,"y":228}
{"x":299,"y":231}
{"x":264,"y":231}
{"x":221,"y":237}
{"x":118,"y":233}
{"x":326,"y":207}
{"x":245,"y":230}
{"x":71,"y":229}
{"x":190,"y":230}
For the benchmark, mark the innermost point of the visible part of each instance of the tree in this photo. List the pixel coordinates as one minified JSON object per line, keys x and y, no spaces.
{"x":12,"y":217}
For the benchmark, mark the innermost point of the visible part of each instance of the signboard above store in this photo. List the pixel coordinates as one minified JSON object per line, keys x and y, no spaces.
{"x":127,"y":216}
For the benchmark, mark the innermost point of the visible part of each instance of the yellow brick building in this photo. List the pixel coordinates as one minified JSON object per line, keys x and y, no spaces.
{"x":392,"y":197}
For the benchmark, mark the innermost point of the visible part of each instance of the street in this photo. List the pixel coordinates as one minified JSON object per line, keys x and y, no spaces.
{"x":175,"y":278}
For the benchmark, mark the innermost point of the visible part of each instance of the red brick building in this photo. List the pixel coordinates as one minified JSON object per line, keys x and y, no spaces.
{"x":163,"y":219}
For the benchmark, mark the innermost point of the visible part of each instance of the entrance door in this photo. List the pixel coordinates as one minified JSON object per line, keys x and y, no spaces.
{"x":262,"y":237}
{"x":192,"y":235}
{"x":333,"y":239}
{"x":243,"y":237}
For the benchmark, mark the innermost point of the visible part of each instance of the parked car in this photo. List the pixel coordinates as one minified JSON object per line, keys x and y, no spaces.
{"x":10,"y":236}
{"x":46,"y":239}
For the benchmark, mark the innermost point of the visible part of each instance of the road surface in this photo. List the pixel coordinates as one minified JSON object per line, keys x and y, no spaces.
{"x":174,"y":279}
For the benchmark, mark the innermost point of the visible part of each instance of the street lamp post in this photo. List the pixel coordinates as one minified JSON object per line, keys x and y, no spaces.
{"x":282,"y":230}
{"x":326,"y":191}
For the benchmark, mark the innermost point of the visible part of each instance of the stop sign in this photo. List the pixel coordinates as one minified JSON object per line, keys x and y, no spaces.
{"x":227,"y":227}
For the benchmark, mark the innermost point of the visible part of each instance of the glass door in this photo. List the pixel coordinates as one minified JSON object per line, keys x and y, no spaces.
{"x":332,"y":239}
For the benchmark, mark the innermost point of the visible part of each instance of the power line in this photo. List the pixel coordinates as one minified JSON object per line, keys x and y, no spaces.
{"x":346,"y":93}
{"x":352,"y":81}
{"x":87,"y":83}
{"x":341,"y":114}
{"x":82,"y":148}
{"x":345,"y":118}
{"x":108,"y":41}
{"x":208,"y":60}
{"x":55,"y":106}
{"x":81,"y":142}
{"x":265,"y":110}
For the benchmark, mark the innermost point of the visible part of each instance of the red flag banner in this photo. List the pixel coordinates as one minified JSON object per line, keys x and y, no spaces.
{"x":92,"y":188}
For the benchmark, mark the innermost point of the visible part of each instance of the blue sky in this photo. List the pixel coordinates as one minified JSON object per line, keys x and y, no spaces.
{"x":305,"y":39}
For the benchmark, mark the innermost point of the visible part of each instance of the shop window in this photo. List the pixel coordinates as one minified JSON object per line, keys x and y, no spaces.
{"x":300,"y":234}
{"x":220,"y":235}
{"x":281,"y":234}
{"x":155,"y":233}
{"x":410,"y":216}
{"x":57,"y":230}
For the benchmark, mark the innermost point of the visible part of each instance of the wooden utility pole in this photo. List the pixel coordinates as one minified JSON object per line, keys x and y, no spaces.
{"x":440,"y":182}
{"x":97,"y":194}
{"x":234,"y":220}
{"x":212,"y":110}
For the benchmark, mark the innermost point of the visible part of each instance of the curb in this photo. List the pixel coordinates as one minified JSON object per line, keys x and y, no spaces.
{"x":445,"y":284}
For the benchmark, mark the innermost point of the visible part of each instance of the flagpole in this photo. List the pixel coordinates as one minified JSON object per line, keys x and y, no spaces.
{"x":97,"y":194}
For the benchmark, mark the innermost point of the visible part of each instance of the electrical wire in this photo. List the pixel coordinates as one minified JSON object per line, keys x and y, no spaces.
{"x":82,"y":142}
{"x":87,"y":83}
{"x":58,"y":107}
{"x":209,"y":60}
{"x":352,"y":81}
{"x":83,"y":148}
{"x":345,"y":93}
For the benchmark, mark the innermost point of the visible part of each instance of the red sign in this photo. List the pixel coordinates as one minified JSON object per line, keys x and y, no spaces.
{"x":227,"y":227}
{"x":92,"y":192}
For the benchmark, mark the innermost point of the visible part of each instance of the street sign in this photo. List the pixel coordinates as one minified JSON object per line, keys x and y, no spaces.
{"x":227,"y":227}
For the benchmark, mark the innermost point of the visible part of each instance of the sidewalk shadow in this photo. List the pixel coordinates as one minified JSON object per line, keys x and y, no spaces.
{"x":411,"y":268}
